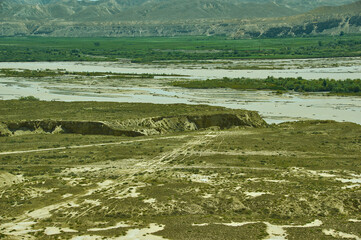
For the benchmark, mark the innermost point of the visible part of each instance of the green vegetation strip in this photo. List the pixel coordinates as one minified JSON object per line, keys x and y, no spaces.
{"x":50,"y":73}
{"x":351,"y":87}
{"x":149,"y":49}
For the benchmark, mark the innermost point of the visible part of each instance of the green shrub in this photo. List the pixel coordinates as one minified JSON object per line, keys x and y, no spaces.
{"x":29,"y":98}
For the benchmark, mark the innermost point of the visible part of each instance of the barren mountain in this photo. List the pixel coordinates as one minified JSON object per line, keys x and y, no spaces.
{"x":115,"y":10}
{"x":235,"y":18}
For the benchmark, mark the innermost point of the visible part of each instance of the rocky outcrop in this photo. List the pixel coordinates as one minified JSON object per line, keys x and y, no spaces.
{"x":134,"y":127}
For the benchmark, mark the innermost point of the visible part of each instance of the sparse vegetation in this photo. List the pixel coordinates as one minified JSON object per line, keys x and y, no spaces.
{"x":191,"y":183}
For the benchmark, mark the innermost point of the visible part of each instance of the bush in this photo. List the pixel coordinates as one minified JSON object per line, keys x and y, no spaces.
{"x":29,"y":98}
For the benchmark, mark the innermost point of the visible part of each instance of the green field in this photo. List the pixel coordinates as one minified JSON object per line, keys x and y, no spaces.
{"x":148,"y":49}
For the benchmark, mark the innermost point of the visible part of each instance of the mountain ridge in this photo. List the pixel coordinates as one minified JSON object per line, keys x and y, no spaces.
{"x":115,"y":10}
{"x":117,"y":18}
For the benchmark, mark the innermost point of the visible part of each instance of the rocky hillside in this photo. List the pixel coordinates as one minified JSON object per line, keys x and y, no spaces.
{"x":234,"y":18}
{"x":156,"y":9}
{"x":120,"y":10}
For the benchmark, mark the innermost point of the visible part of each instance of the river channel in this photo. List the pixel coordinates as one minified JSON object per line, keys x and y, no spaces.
{"x":274,"y":108}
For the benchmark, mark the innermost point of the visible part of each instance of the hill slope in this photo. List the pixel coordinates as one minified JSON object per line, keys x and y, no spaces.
{"x":235,"y":18}
{"x":115,"y":10}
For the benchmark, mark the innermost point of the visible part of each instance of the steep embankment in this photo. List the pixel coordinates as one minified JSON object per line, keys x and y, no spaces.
{"x":133,"y":127}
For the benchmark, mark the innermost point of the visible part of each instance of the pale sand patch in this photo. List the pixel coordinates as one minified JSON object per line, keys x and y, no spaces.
{"x":18,"y":229}
{"x":275,"y":232}
{"x":236,"y":224}
{"x":316,"y":223}
{"x":102,"y":185}
{"x":232,"y":224}
{"x":130,"y":192}
{"x":356,"y":182}
{"x":278,"y":232}
{"x":356,"y":175}
{"x":71,"y":204}
{"x":44,"y":212}
{"x":68,"y":230}
{"x":267,"y":180}
{"x":52,"y":231}
{"x":92,"y":202}
{"x":133,"y":193}
{"x":50,"y":190}
{"x":354,"y":220}
{"x":351,"y":186}
{"x":38,"y":192}
{"x":200,"y":224}
{"x":150,"y":200}
{"x":248,"y":153}
{"x":67,"y":195}
{"x":207,"y":195}
{"x":8,"y":179}
{"x":106,"y":183}
{"x":81,"y":170}
{"x":132,"y":234}
{"x":199,"y":178}
{"x":87,"y":237}
{"x":336,"y":234}
{"x":322,"y":174}
{"x":118,"y":225}
{"x":73,"y":181}
{"x":276,"y":181}
{"x":144,"y":234}
{"x":255,"y":194}
{"x":349,"y":180}
{"x":26,"y":227}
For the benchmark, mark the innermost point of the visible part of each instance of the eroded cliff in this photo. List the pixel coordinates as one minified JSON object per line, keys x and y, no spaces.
{"x":134,"y":127}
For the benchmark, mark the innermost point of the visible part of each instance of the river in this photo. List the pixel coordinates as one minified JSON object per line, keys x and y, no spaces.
{"x":274,"y":108}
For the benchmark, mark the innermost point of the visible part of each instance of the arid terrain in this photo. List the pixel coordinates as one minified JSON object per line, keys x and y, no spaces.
{"x":227,"y":129}
{"x":88,"y":170}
